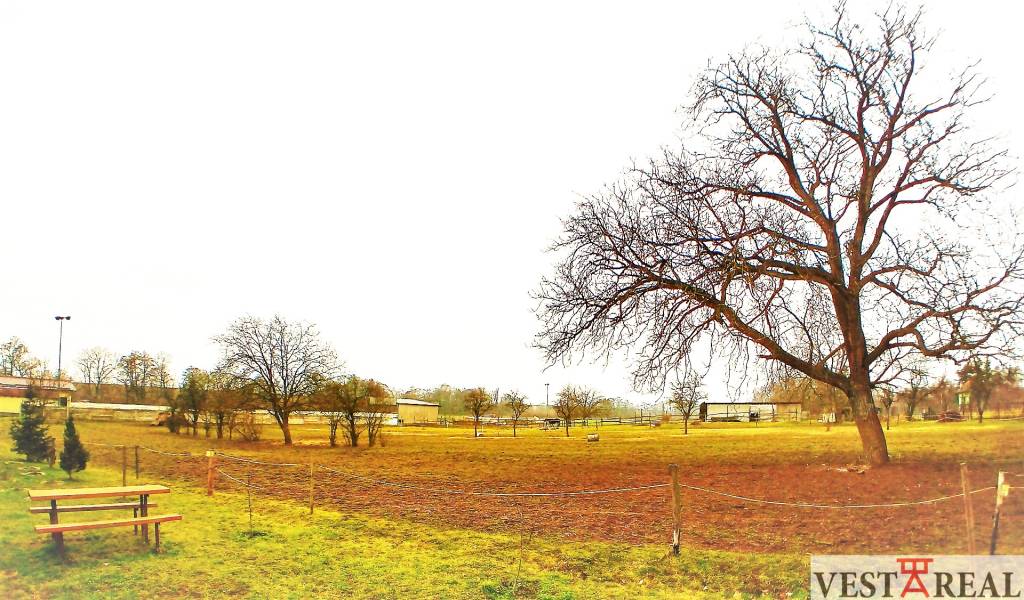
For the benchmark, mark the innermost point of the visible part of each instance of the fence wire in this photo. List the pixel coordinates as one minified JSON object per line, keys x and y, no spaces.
{"x":436,"y":490}
{"x":258,"y":462}
{"x":846,"y":506}
{"x":539,"y":494}
{"x":239,"y":481}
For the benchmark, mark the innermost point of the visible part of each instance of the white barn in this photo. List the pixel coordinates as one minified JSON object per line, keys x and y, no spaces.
{"x":750,"y":411}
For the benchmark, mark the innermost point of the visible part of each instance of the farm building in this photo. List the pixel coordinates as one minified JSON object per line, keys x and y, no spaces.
{"x":13,"y":390}
{"x":750,"y":411}
{"x":416,"y":411}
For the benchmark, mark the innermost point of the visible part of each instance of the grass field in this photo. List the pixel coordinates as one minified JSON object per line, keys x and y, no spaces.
{"x":372,"y":540}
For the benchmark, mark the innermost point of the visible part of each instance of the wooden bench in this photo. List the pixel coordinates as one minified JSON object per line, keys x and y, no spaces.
{"x":155,"y":521}
{"x":139,"y":508}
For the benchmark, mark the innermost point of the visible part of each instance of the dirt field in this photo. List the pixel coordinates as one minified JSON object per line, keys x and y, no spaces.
{"x":780,"y":462}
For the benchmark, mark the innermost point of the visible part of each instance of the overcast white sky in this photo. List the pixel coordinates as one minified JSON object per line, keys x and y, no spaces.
{"x":389,"y":171}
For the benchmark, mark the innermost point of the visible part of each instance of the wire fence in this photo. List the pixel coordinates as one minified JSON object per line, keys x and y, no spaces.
{"x":270,"y":483}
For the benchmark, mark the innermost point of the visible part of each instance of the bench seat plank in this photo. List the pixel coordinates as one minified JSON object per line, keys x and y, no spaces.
{"x":103,"y":492}
{"x":36,"y":510}
{"x":64,"y":527}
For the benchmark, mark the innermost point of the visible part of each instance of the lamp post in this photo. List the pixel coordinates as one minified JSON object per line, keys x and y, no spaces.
{"x":546,"y":403}
{"x":60,"y":351}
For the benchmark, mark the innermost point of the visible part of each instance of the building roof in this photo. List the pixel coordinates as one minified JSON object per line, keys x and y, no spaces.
{"x":748,"y":403}
{"x":111,"y":406}
{"x":21,"y":383}
{"x":412,"y":402}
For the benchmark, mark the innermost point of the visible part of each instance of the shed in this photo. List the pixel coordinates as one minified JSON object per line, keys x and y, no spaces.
{"x":416,"y":411}
{"x":750,"y":411}
{"x":13,"y":390}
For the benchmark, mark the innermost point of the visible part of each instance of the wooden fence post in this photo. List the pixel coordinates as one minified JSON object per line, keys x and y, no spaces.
{"x":311,"y":463}
{"x":211,"y":458}
{"x":676,"y":508}
{"x":124,"y":465}
{"x":965,"y":485}
{"x":1002,"y":490}
{"x":136,"y":462}
{"x":248,"y":494}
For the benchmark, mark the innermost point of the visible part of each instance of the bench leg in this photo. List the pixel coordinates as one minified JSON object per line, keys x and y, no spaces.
{"x":156,"y":535}
{"x":58,"y":538}
{"x":144,"y":511}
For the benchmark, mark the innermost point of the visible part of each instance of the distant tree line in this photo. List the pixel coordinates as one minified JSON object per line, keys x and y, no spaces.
{"x":981,"y":385}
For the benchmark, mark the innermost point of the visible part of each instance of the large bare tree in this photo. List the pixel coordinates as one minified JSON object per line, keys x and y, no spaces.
{"x":286,"y":361}
{"x":825,"y":214}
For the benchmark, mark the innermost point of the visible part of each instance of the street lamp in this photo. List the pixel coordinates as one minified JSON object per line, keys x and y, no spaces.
{"x":546,"y":403}
{"x":60,"y":351}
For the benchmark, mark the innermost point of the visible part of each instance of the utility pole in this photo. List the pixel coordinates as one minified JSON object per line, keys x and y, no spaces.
{"x":60,"y":351}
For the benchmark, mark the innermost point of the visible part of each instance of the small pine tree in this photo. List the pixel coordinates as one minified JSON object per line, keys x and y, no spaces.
{"x":29,"y":432}
{"x":74,"y":455}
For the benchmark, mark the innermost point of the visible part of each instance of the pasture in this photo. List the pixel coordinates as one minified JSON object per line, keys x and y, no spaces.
{"x":423,"y":516}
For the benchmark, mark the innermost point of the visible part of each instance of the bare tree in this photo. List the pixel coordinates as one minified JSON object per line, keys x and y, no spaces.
{"x":162,"y":378}
{"x":886,"y":397}
{"x":567,"y":406}
{"x":284,"y":360}
{"x":517,"y":405}
{"x":941,"y":395}
{"x":341,"y":402}
{"x":379,"y":402}
{"x":478,"y":402}
{"x":135,"y":372}
{"x":16,"y":361}
{"x":916,"y":390}
{"x":98,"y":366}
{"x":228,"y":397}
{"x":823,"y":218}
{"x":687,"y":396}
{"x":592,"y":404}
{"x":193,"y":396}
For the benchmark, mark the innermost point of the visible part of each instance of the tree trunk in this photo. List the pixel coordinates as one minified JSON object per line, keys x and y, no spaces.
{"x":567,"y":428}
{"x":872,"y":437}
{"x":476,"y":420}
{"x":686,"y":426}
{"x":285,"y":429}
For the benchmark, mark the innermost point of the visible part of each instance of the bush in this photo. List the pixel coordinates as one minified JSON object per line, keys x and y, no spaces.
{"x":248,"y":428}
{"x":174,"y":422}
{"x":74,"y":455}
{"x":29,"y":433}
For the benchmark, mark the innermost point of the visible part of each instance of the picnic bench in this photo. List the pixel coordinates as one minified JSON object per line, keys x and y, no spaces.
{"x":140,"y":510}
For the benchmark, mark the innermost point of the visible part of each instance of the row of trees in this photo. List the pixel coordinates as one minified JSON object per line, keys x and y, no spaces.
{"x":571,"y":403}
{"x":141,"y":373}
{"x":144,"y":376}
{"x":981,"y":384}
